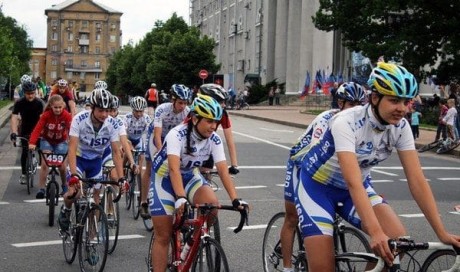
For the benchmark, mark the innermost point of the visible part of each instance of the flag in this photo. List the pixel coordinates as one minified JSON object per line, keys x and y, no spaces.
{"x":319,"y":80}
{"x":340,"y":78}
{"x":328,"y":84}
{"x":306,"y":86}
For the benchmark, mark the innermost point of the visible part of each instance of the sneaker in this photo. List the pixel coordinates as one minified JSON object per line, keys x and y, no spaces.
{"x":40,"y":194}
{"x":144,"y":211}
{"x":22,"y":179}
{"x":64,"y":218}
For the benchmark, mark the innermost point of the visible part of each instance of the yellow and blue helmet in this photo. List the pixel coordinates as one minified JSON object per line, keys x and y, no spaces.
{"x":394,"y":80}
{"x":207,"y":107}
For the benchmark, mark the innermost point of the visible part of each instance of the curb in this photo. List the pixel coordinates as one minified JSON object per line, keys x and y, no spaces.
{"x":5,"y":114}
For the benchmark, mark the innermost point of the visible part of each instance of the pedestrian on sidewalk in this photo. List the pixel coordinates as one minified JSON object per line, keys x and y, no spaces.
{"x":277,"y":95}
{"x":441,"y":131}
{"x":449,"y":120}
{"x":415,"y":121}
{"x":271,"y":95}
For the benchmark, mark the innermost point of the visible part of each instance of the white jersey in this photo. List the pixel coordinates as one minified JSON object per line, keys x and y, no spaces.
{"x":176,"y":144}
{"x":135,"y":128}
{"x":92,"y":144}
{"x":166,"y":118}
{"x":355,"y":130}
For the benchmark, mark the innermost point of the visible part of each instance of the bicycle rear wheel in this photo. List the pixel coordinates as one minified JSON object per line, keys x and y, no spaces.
{"x":447,"y":148}
{"x":427,"y":147}
{"x":440,"y":260}
{"x":148,"y":224}
{"x":211,"y":257}
{"x":271,"y":247}
{"x":71,"y":237}
{"x":51,"y":196}
{"x":112,"y":211}
{"x":351,"y":240}
{"x":29,"y":172}
{"x":92,"y":251}
{"x":128,"y":198}
{"x":136,"y":196}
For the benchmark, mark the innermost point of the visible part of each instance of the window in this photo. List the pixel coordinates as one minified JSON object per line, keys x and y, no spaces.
{"x":97,"y":64}
{"x":98,"y":50}
{"x":54,"y":48}
{"x":82,"y":75}
{"x":54,"y":36}
{"x":70,"y":36}
{"x":98,"y":36}
{"x":53,"y":74}
{"x":113,"y":26}
{"x":70,"y":23}
{"x":83,"y":49}
{"x":98,"y":25}
{"x":69,"y":63}
{"x":84,"y":24}
{"x":97,"y":75}
{"x":69,"y":49}
{"x":54,"y":23}
{"x":112,"y":50}
{"x":84,"y":63}
{"x":112,"y":38}
{"x":84,"y":36}
{"x":69,"y":75}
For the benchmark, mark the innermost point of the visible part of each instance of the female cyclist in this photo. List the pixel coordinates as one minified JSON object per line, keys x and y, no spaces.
{"x":348,"y":95}
{"x":177,"y":179}
{"x":337,"y":169}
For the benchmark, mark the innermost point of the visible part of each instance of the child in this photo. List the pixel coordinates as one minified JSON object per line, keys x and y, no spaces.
{"x":441,"y":130}
{"x":449,"y":120}
{"x":415,"y":121}
{"x":53,"y":126}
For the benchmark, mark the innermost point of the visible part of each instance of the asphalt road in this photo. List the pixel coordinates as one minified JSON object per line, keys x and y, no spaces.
{"x":28,"y":244}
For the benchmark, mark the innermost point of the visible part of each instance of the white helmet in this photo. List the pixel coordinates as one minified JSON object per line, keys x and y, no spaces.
{"x":100,"y":84}
{"x":62,"y":83}
{"x":25,"y":78}
{"x":138,"y":103}
{"x":101,"y":98}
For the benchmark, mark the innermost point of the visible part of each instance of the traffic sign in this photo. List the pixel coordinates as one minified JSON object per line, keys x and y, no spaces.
{"x":203,"y":74}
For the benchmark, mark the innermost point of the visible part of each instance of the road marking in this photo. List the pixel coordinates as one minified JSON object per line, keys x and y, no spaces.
{"x":449,"y":179}
{"x":277,"y":130}
{"x":381,"y":180}
{"x":405,"y":180}
{"x":252,"y":227}
{"x":263,"y":167}
{"x":10,"y":167}
{"x":39,"y":200}
{"x":57,"y":242}
{"x":412,"y":215}
{"x":4,"y":203}
{"x":456,"y":213}
{"x":280,"y":185}
{"x":384,"y":173}
{"x":251,"y":187}
{"x":262,"y":140}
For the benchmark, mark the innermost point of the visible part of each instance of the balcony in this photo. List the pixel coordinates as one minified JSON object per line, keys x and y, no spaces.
{"x":83,"y":42}
{"x":82,"y":68}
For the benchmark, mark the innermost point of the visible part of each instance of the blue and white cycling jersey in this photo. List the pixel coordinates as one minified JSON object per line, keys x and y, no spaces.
{"x":121,"y":132}
{"x":166,"y":118}
{"x":91,"y":143}
{"x":355,"y":130}
{"x":136,"y":127}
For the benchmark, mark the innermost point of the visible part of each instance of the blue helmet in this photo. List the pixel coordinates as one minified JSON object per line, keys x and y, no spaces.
{"x":394,"y":80}
{"x":180,"y":91}
{"x":207,"y":107}
{"x":28,"y":86}
{"x":351,"y":91}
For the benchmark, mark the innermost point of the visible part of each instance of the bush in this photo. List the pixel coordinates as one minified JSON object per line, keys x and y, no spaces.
{"x":259,"y":93}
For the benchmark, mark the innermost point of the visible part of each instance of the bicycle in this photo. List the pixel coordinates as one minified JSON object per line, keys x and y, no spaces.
{"x":132,"y":197}
{"x":447,"y":145}
{"x":191,"y":247}
{"x":53,"y":161}
{"x":111,"y":208}
{"x":31,"y":163}
{"x":444,"y":258}
{"x":346,"y":239}
{"x":88,"y":230}
{"x":430,"y":146}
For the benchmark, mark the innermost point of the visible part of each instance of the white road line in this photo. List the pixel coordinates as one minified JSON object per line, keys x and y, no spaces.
{"x":456,"y":213}
{"x":449,"y":179}
{"x":250,"y":187}
{"x":262,"y":140}
{"x":412,"y":215}
{"x":10,"y":167}
{"x":423,"y":167}
{"x":405,"y":180}
{"x":57,"y":242}
{"x":280,"y":185}
{"x":277,"y":130}
{"x":250,"y":227}
{"x":381,"y":180}
{"x":39,"y":200}
{"x":263,"y":167}
{"x":384,"y":173}
{"x":4,"y":203}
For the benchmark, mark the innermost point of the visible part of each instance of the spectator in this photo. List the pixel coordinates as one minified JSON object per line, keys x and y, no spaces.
{"x":277,"y":95}
{"x":334,"y":103}
{"x":232,"y":97}
{"x":415,"y":121}
{"x":449,"y":120}
{"x":441,"y":130}
{"x":271,"y":95}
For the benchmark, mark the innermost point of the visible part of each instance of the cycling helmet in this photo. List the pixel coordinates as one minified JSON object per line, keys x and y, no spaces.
{"x":115,"y":102}
{"x":101,"y":98}
{"x":180,"y":91}
{"x":207,"y":107}
{"x":215,"y":91}
{"x":62,"y":83}
{"x":153,"y":85}
{"x":138,"y":103}
{"x":25,"y":78}
{"x":100,"y":84}
{"x":351,"y":91}
{"x":28,"y":87}
{"x":394,"y":80}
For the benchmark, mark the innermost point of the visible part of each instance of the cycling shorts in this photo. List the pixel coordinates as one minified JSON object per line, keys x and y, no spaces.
{"x":317,"y":205}
{"x":90,"y":168}
{"x":291,"y":180}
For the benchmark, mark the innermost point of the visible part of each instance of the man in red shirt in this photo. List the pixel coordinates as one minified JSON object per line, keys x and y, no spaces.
{"x":61,"y":88}
{"x":151,"y":95}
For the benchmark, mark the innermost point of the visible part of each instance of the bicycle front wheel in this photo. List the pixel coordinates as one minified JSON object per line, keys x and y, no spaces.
{"x":51,"y":196}
{"x":29,"y":171}
{"x":128,"y":198}
{"x":136,"y":196}
{"x":440,"y":260}
{"x":113,"y":217}
{"x":93,"y":249}
{"x":210,"y":258}
{"x":349,"y":240}
{"x":71,"y":237}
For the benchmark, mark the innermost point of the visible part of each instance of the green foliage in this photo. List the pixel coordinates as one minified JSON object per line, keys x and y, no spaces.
{"x":171,"y":53}
{"x":430,"y":116}
{"x":15,"y":49}
{"x":258,"y":93}
{"x":410,"y":31}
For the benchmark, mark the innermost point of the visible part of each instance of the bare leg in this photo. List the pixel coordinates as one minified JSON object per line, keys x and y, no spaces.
{"x":287,"y":233}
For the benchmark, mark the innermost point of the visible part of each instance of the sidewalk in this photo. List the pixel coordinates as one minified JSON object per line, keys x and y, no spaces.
{"x":293,"y":116}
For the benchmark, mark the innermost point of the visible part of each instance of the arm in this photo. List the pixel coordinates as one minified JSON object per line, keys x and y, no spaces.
{"x":73,"y":109}
{"x":175,"y":175}
{"x":37,"y":131}
{"x":231,"y":146}
{"x":14,"y":123}
{"x":127,"y":148}
{"x":422,"y":194}
{"x":72,"y":154}
{"x":157,"y":137}
{"x":117,"y":159}
{"x":226,"y":179}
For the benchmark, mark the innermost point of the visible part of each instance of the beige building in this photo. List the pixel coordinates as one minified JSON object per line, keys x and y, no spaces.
{"x":81,"y":37}
{"x":37,"y":63}
{"x":270,"y":39}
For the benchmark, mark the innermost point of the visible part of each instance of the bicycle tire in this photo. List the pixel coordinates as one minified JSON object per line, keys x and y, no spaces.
{"x":148,"y":224}
{"x":113,"y":223}
{"x":443,"y":149}
{"x":136,"y":198}
{"x":271,"y":246}
{"x":149,"y":259}
{"x":51,"y":195}
{"x":427,"y":147}
{"x":71,"y":237}
{"x":128,"y":194}
{"x":440,"y":260}
{"x":29,"y":171}
{"x":245,"y":106}
{"x":210,"y":257}
{"x":215,"y":230}
{"x":92,"y":253}
{"x":351,"y":240}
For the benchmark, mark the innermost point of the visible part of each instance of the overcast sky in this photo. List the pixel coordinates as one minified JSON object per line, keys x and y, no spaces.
{"x":138,"y":17}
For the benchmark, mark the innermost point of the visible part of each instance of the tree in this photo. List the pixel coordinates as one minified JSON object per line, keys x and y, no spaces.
{"x":172,"y":52}
{"x":414,"y":32}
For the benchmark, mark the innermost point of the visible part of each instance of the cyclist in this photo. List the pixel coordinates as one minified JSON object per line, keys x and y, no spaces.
{"x":177,"y":179}
{"x":66,"y":93}
{"x":337,"y":169}
{"x":348,"y":95}
{"x":53,"y":126}
{"x":137,"y":123}
{"x":167,"y":116}
{"x":91,"y":132}
{"x":151,"y":95}
{"x":221,"y":96}
{"x":29,"y":108}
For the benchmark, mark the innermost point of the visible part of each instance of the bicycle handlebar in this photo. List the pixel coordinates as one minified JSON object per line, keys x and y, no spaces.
{"x":243,"y":213}
{"x":20,"y":138}
{"x":92,"y":181}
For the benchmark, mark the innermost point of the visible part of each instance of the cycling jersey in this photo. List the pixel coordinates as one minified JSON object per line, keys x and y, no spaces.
{"x":136,"y":127}
{"x":166,"y":118}
{"x":91,"y":143}
{"x":107,"y":156}
{"x":30,"y":114}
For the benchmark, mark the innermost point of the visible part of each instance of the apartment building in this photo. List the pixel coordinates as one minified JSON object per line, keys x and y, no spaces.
{"x":268,"y":39}
{"x":81,"y":37}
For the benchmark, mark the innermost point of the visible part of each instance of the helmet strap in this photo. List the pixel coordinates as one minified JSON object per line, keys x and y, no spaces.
{"x":375,"y":108}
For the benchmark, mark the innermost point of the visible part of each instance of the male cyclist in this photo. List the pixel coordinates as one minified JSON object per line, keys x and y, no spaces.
{"x":137,"y":123}
{"x":151,"y":95}
{"x":91,"y":132}
{"x":29,"y":108}
{"x":167,"y":116}
{"x":66,"y":93}
{"x":347,"y":96}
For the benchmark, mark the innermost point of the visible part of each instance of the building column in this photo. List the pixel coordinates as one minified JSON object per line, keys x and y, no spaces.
{"x":281,"y":39}
{"x":306,"y":41}
{"x":293,"y":46}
